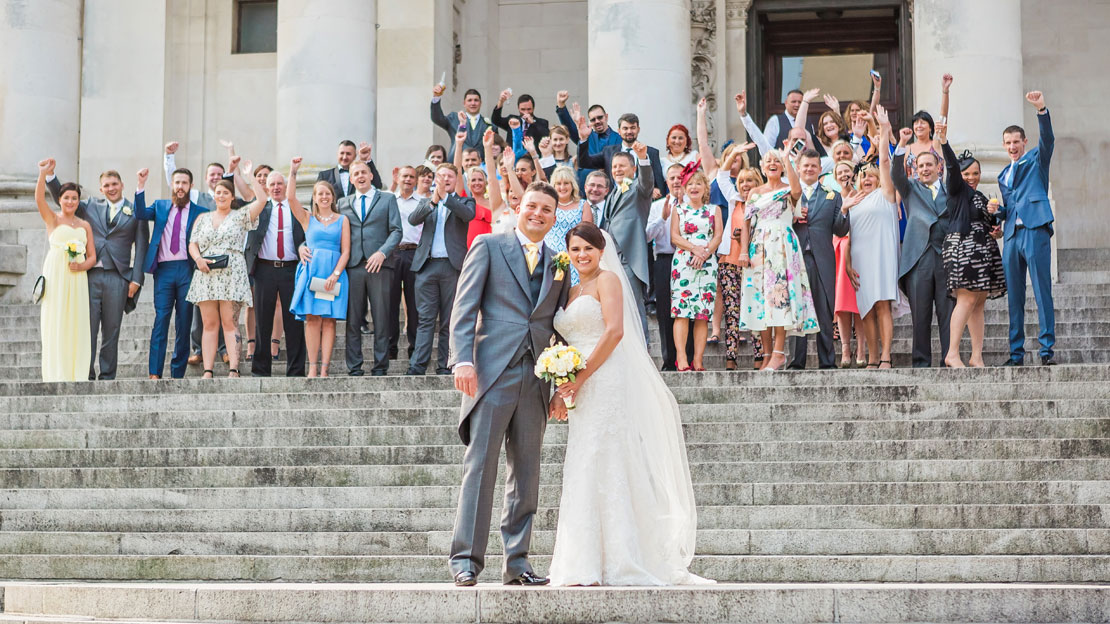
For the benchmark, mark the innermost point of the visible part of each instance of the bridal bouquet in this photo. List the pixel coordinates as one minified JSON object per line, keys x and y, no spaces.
{"x":75,"y":249}
{"x":558,"y":364}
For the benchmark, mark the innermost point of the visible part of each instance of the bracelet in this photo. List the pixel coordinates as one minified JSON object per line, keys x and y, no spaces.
{"x":1041,"y":110}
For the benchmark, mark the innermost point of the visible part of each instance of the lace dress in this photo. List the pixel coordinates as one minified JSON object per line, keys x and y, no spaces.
{"x":611,"y":528}
{"x":231,"y":283}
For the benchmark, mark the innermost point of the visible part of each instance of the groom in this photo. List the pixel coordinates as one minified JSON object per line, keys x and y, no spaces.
{"x":506,"y":300}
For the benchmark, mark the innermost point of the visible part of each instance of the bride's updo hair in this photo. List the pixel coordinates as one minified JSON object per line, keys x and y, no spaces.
{"x":588,"y":232}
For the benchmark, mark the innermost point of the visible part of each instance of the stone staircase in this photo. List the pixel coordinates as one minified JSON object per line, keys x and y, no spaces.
{"x":850,"y":495}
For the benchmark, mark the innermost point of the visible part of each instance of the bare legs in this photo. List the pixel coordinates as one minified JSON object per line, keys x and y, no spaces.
{"x":778,"y":350}
{"x":681,"y":329}
{"x":229,"y":318}
{"x":319,"y":338}
{"x":701,"y":330}
{"x":968,"y":312}
{"x":210,"y":339}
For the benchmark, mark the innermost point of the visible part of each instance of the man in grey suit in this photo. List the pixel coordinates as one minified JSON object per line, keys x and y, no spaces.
{"x":625,"y":218}
{"x":115,"y":278}
{"x":375,"y":232}
{"x":821,"y":219}
{"x":508,"y":295}
{"x":472,"y":114}
{"x":921,"y":268}
{"x":437,"y":262}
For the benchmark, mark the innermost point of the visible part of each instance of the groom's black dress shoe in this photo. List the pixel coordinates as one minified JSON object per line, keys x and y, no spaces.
{"x":466,"y":578}
{"x":1048,"y":360}
{"x":528,"y":578}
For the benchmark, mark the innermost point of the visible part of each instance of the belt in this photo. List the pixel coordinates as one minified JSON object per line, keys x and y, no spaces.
{"x":407,"y":246}
{"x":277,"y":264}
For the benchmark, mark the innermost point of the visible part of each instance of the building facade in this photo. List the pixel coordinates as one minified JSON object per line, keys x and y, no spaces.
{"x":104,"y":84}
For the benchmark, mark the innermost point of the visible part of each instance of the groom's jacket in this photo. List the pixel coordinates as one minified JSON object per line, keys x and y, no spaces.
{"x":494,"y":320}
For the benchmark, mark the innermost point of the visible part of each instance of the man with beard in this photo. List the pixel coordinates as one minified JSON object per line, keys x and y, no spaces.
{"x":167,"y":258}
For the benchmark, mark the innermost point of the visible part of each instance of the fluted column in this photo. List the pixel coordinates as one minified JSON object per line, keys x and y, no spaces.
{"x":639,"y":62}
{"x":326,"y":78}
{"x":40,"y":80}
{"x":979,"y":43}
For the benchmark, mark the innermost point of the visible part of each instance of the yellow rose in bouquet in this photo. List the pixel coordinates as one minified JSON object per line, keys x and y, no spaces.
{"x":558,"y":364}
{"x":75,"y":250}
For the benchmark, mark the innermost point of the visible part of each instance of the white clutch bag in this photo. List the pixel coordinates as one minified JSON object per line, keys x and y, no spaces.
{"x":316,"y":285}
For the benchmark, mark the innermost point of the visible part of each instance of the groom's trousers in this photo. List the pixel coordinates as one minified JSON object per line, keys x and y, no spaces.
{"x":514,"y":409}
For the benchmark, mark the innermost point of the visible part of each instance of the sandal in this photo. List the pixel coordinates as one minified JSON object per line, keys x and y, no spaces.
{"x":207,"y":371}
{"x":730,"y":364}
{"x":275,"y":356}
{"x":250,"y":356}
{"x":881,"y":362}
{"x":684,"y":370}
{"x":872,"y":366}
{"x":233,"y":372}
{"x":714,"y":339}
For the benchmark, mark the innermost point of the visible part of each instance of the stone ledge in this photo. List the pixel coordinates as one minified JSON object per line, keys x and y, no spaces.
{"x":341,"y":602}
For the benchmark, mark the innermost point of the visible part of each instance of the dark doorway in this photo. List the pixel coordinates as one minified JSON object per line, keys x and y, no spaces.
{"x":800,"y":44}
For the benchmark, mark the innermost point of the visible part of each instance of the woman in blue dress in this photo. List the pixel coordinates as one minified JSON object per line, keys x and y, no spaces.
{"x":328,"y":235}
{"x":570,"y":212}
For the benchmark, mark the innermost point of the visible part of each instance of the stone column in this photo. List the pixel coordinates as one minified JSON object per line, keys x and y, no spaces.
{"x":736,"y":64}
{"x":326,"y":79}
{"x":40,"y":85}
{"x":639,"y":62}
{"x":979,"y":43}
{"x":409,"y":67}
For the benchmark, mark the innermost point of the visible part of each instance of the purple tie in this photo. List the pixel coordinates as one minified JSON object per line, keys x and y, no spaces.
{"x":175,"y":235}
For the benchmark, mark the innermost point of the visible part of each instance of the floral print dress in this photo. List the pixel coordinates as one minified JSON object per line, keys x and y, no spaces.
{"x":776,"y":287}
{"x":693,"y":290}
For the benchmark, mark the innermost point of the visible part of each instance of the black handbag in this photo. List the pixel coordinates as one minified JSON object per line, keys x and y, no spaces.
{"x":39,"y":290}
{"x":217,"y":262}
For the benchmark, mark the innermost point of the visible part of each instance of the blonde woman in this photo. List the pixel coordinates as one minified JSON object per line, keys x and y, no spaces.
{"x":328,"y":235}
{"x":570,"y":212}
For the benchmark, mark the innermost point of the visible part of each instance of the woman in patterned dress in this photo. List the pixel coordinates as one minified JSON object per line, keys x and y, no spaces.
{"x":971,"y":256}
{"x":220,"y":293}
{"x":569,"y":213}
{"x":776,"y":297}
{"x":696,"y":233}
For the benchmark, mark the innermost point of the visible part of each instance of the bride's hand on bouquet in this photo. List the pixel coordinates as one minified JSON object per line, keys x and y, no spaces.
{"x":557,"y":410}
{"x":569,"y":389}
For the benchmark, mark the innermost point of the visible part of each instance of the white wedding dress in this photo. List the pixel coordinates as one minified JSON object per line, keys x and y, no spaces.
{"x":627,"y":513}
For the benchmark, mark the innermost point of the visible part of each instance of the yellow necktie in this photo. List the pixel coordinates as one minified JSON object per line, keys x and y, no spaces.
{"x":934,"y":189}
{"x":532,"y":256}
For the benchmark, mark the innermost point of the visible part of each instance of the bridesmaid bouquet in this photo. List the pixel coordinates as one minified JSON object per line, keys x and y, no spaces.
{"x":558,"y":364}
{"x":75,"y":250}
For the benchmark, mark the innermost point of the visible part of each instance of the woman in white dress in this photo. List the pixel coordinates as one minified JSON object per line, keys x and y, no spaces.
{"x":627,"y":514}
{"x":873,"y":251}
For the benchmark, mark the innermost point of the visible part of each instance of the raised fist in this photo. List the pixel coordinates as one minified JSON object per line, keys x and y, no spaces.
{"x":295,"y":165}
{"x":1036,"y":98}
{"x":46,"y":166}
{"x":171,"y":147}
{"x":561,"y":99}
{"x":437,"y":91}
{"x":640,"y":149}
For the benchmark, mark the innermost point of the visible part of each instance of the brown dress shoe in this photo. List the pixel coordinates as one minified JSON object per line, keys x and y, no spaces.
{"x":194,"y":359}
{"x":155,"y":377}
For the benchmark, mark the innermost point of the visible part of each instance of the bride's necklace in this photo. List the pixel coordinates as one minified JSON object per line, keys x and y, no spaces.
{"x":582,"y":283}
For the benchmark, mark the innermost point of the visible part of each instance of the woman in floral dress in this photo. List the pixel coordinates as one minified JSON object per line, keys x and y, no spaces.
{"x":696,"y":233}
{"x":776,"y":297}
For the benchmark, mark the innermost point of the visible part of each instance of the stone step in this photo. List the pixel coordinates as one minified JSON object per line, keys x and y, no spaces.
{"x":813,"y":450}
{"x":849,"y":414}
{"x":394,"y":435}
{"x":734,"y":568}
{"x":322,"y":543}
{"x":107,"y":603}
{"x":817,"y":516}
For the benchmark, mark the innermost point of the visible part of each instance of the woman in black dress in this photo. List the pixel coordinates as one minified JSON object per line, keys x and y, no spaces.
{"x":971,"y":256}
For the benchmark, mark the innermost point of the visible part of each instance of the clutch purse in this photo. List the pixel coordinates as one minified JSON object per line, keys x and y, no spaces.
{"x":39,"y":290}
{"x":316,"y":285}
{"x":217,"y":262}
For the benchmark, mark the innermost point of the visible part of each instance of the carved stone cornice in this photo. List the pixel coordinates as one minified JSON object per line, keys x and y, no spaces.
{"x":736,"y":13}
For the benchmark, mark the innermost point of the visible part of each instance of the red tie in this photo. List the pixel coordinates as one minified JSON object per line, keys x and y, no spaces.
{"x":281,"y":233}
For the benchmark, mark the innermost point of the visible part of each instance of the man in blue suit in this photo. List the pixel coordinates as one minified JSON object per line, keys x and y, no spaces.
{"x":167,"y":258}
{"x":1028,"y":231}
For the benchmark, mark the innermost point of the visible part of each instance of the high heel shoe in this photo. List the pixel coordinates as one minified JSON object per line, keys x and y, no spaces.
{"x":773,"y":354}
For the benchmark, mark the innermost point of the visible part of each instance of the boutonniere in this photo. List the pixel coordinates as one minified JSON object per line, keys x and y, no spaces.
{"x":625,"y":185}
{"x":561,"y":262}
{"x":830,"y":196}
{"x":126,"y":210}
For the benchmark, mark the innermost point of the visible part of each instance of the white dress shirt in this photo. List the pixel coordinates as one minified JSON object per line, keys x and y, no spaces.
{"x":357,"y":197}
{"x":269,"y":250}
{"x":658,"y":229}
{"x":772,"y":128}
{"x":344,"y":181}
{"x":410,"y":234}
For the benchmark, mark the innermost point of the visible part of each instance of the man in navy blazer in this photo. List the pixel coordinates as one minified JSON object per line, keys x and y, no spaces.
{"x":1028,"y":232}
{"x":167,"y":258}
{"x":629,"y":127}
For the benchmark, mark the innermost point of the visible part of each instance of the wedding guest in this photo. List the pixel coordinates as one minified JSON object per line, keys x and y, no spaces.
{"x":339,"y":176}
{"x":478,"y":188}
{"x":219,"y":291}
{"x":680,"y":149}
{"x":271,"y":255}
{"x":972,"y":259}
{"x":531,"y":126}
{"x":1027,"y":213}
{"x":695,"y":234}
{"x":730,"y":270}
{"x":437,"y":263}
{"x":848,"y":319}
{"x":601,"y":136}
{"x":64,"y":322}
{"x":425,"y":178}
{"x":629,"y":127}
{"x":596,"y":190}
{"x":873,"y":250}
{"x":404,"y":278}
{"x":921,"y":266}
{"x":556,"y":151}
{"x":821,"y":219}
{"x":776,"y":298}
{"x":779,"y":124}
{"x":570,"y":211}
{"x":475,"y":124}
{"x":328,"y":243}
{"x":113,"y":279}
{"x":435,"y":156}
{"x":260,"y":173}
{"x":924,"y":140}
{"x":658,"y":232}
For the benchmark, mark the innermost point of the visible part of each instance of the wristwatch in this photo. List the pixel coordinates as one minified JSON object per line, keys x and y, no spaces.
{"x":337,"y":273}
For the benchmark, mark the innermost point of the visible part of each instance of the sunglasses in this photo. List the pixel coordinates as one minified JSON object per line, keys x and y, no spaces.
{"x":596,"y":119}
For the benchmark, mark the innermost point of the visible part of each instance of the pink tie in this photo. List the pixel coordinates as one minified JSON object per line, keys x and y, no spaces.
{"x":175,"y":234}
{"x":281,"y":233}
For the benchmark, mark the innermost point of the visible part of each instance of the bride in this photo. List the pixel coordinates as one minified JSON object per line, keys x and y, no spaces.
{"x":627,"y":514}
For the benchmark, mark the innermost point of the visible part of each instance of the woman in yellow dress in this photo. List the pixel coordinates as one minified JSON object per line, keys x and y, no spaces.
{"x":65,"y":303}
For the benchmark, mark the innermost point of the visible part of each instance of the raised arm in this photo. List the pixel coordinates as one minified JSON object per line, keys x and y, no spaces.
{"x":1047,"y":141}
{"x":754,"y":133}
{"x":646,"y":177}
{"x":564,"y":115}
{"x":708,"y":160}
{"x":792,"y":177}
{"x":945,"y":85}
{"x":142,"y":211}
{"x":237,"y":179}
{"x":169,"y":161}
{"x":438,"y":118}
{"x":295,"y":207}
{"x":955,"y":181}
{"x":803,"y":110}
{"x":509,"y":160}
{"x":876,"y":92}
{"x":460,"y":138}
{"x":46,"y":167}
{"x":886,"y":180}
{"x":492,"y":185}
